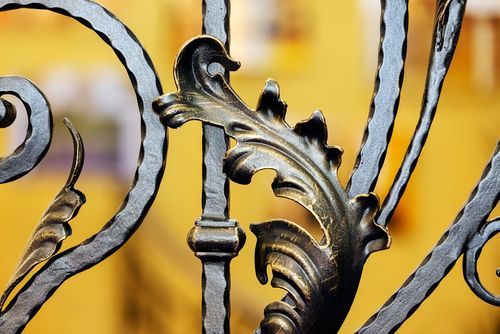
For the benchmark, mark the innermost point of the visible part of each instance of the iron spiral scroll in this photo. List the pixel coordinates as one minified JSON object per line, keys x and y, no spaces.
{"x":59,"y":267}
{"x":320,"y":277}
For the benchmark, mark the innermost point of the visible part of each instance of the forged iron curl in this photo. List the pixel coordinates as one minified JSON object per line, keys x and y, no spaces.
{"x":38,"y":134}
{"x":8,"y":113}
{"x":471,"y":258}
{"x":137,"y":202}
{"x":437,"y":264}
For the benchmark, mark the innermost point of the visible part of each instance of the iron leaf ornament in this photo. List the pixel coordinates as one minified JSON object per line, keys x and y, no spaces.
{"x":321,"y":277}
{"x":53,"y":227}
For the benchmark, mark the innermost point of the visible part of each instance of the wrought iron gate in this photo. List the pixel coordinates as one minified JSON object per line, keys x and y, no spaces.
{"x":320,"y":277}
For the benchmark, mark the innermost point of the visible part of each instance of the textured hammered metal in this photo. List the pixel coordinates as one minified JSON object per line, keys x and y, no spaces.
{"x":443,"y":257}
{"x":320,"y":277}
{"x":385,"y":102}
{"x":447,"y":27}
{"x":216,"y":239}
{"x":39,"y":133}
{"x":53,"y":227}
{"x":118,"y":229}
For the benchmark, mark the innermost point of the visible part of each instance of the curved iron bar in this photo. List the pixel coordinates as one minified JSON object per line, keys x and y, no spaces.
{"x":8,"y":113}
{"x":441,"y":260}
{"x":447,"y":26}
{"x":148,"y":175}
{"x":38,"y":134}
{"x":385,"y":102}
{"x":320,"y":277}
{"x":471,"y":256}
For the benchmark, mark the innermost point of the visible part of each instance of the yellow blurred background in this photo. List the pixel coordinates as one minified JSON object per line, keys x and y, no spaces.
{"x":323,"y":53}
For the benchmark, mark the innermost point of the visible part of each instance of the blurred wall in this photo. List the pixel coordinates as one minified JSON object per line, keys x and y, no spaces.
{"x":323,"y":53}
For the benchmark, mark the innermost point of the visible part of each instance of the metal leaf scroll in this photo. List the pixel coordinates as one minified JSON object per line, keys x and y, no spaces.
{"x":53,"y":228}
{"x":321,"y":278}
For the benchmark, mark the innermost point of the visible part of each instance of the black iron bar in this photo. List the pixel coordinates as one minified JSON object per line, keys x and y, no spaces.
{"x":215,"y":196}
{"x":443,"y":257}
{"x":385,"y":102}
{"x":141,"y":195}
{"x":321,"y":279}
{"x":215,"y":239}
{"x":446,"y":34}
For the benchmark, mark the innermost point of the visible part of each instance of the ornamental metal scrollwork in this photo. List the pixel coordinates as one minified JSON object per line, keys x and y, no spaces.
{"x":471,"y":256}
{"x":437,"y":264}
{"x":53,"y":227}
{"x":320,"y":277}
{"x":40,"y":287}
{"x":39,"y":133}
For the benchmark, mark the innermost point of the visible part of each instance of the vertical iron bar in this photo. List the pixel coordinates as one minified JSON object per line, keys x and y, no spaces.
{"x":215,"y":238}
{"x":215,"y":200}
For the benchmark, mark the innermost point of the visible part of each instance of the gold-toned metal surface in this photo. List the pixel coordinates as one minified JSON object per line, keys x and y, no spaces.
{"x":53,"y":227}
{"x":321,"y":278}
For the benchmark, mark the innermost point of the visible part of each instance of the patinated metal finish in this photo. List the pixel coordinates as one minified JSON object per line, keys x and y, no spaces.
{"x":53,"y":228}
{"x":316,"y":276}
{"x":320,"y":276}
